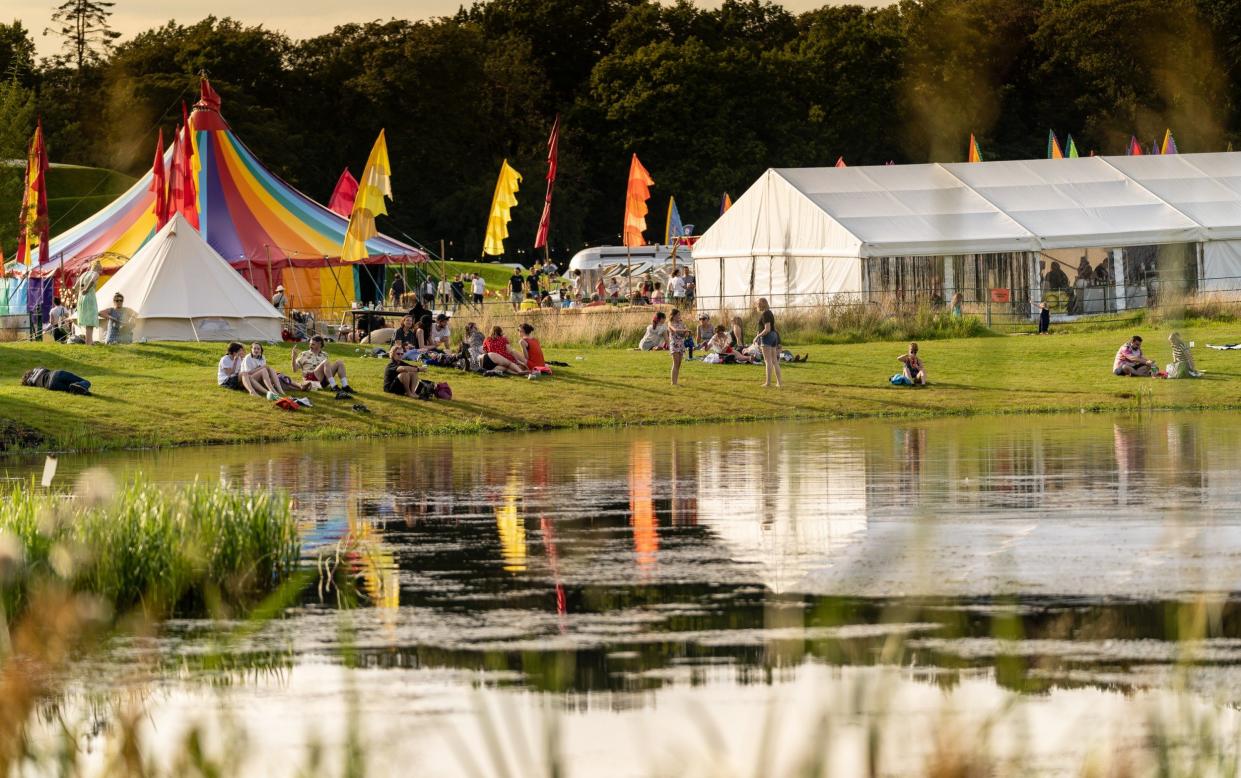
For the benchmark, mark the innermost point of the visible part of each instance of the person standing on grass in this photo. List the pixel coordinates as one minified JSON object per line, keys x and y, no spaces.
{"x":677,"y":335}
{"x":768,"y":339}
{"x":314,"y":365}
{"x":56,"y":321}
{"x":397,"y":289}
{"x":1044,"y":319}
{"x":912,"y":367}
{"x":954,"y":305}
{"x":516,"y":288}
{"x":88,"y":304}
{"x":676,"y":287}
{"x":479,"y":288}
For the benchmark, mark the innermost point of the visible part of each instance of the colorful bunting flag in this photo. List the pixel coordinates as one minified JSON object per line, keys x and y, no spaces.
{"x":1053,"y":146}
{"x":1169,"y":143}
{"x":1135,"y":148}
{"x":32,"y":235}
{"x":188,"y":206}
{"x":637,"y":193}
{"x":674,"y":228}
{"x":159,"y":183}
{"x":502,"y":203}
{"x":840,"y":162}
{"x":553,"y":164}
{"x":376,"y":184}
{"x":343,"y":194}
{"x":975,"y":153}
{"x":726,"y":202}
{"x":1072,"y":152}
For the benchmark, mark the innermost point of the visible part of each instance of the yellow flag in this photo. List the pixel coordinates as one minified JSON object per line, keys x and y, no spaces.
{"x":501,"y":204}
{"x":376,"y":184}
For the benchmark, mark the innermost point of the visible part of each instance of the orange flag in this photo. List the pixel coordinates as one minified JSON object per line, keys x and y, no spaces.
{"x":636,"y":195}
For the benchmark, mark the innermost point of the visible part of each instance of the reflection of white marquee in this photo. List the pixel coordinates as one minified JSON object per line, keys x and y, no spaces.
{"x":788,"y":510}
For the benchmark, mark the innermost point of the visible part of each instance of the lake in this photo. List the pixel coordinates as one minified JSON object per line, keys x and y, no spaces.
{"x":712,"y":600}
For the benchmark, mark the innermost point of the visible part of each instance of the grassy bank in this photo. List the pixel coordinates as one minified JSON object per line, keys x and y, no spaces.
{"x":163,"y":394}
{"x":164,"y":551}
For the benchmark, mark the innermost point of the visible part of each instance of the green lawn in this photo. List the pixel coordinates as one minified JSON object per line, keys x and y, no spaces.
{"x":496,"y":276}
{"x":165,"y":394}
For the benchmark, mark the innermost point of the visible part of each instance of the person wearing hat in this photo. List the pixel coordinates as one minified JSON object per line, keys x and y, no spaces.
{"x":705,"y":331}
{"x":441,"y":335}
{"x":278,"y":300}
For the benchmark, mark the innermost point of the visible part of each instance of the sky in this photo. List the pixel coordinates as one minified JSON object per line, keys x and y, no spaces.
{"x":297,"y":18}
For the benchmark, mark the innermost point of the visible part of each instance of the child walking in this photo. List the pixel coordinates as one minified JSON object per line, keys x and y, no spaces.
{"x":677,"y":333}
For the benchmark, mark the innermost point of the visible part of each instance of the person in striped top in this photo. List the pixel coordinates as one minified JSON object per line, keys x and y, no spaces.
{"x":1182,"y":359}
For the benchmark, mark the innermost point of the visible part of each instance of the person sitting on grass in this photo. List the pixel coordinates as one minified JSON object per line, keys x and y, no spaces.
{"x":406,"y":335}
{"x":55,"y":381}
{"x":656,"y":335}
{"x":228,"y":372}
{"x":498,"y":357}
{"x":314,"y":365}
{"x":657,"y":296}
{"x":721,"y":345}
{"x":595,"y":302}
{"x":259,"y":379}
{"x":423,"y":333}
{"x":1130,"y":361}
{"x":400,"y":377}
{"x":1182,"y":359}
{"x":531,"y":351}
{"x":912,"y":367}
{"x":115,"y":319}
{"x":441,"y":334}
{"x":472,"y":344}
{"x":704,"y":332}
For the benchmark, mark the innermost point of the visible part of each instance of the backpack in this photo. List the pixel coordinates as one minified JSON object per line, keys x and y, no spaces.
{"x":425,"y":390}
{"x":443,"y":391}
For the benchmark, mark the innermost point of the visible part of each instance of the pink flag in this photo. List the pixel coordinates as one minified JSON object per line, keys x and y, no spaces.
{"x":342,"y":196}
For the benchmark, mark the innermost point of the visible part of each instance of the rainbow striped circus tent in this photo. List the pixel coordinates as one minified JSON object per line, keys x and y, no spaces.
{"x":264,"y":228}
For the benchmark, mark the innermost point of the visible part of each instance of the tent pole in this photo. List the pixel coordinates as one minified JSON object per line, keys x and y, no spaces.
{"x":336,"y":279}
{"x":270,"y":286}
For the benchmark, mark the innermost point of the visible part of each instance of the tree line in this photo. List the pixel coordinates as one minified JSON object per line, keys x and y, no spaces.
{"x":707,"y":97}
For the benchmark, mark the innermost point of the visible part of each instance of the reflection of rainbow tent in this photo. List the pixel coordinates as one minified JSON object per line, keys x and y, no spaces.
{"x":266,"y":229}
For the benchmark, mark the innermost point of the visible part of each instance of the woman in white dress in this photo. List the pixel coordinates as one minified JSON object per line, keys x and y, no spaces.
{"x":88,"y":304}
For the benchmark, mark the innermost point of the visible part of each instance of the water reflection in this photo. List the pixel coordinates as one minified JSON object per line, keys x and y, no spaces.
{"x":618,"y":559}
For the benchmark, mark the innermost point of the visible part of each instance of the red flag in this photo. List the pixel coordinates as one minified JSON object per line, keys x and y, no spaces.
{"x":181,"y":190}
{"x":636,"y":194}
{"x":1135,"y":148}
{"x":344,"y":193}
{"x":840,"y":162}
{"x":159,"y":183}
{"x":34,"y":224}
{"x":553,"y":157}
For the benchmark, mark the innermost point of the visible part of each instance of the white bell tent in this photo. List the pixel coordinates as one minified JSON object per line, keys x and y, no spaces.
{"x":177,"y":287}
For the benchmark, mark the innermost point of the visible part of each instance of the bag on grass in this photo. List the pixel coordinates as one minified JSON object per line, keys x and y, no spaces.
{"x":443,"y":391}
{"x":900,"y":380}
{"x":424,"y":390}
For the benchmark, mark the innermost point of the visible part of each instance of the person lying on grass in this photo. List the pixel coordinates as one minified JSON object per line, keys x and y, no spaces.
{"x":259,"y":379}
{"x":497,"y":356}
{"x":912,"y":367}
{"x":228,"y":372}
{"x":400,"y":377}
{"x":55,"y":380}
{"x":314,"y":365}
{"x":1130,"y":361}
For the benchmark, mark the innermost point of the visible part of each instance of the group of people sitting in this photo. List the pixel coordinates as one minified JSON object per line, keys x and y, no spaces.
{"x":1130,"y":361}
{"x":313,"y":369}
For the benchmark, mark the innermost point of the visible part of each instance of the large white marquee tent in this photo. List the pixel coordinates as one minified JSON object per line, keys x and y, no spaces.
{"x":812,"y":235}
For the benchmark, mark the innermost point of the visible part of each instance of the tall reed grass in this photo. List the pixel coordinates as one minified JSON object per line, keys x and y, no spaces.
{"x":163,"y":550}
{"x":622,"y":327}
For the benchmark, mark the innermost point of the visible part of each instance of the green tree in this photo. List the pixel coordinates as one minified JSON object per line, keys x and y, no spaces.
{"x":84,"y":26}
{"x":16,"y":53}
{"x":16,"y":126}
